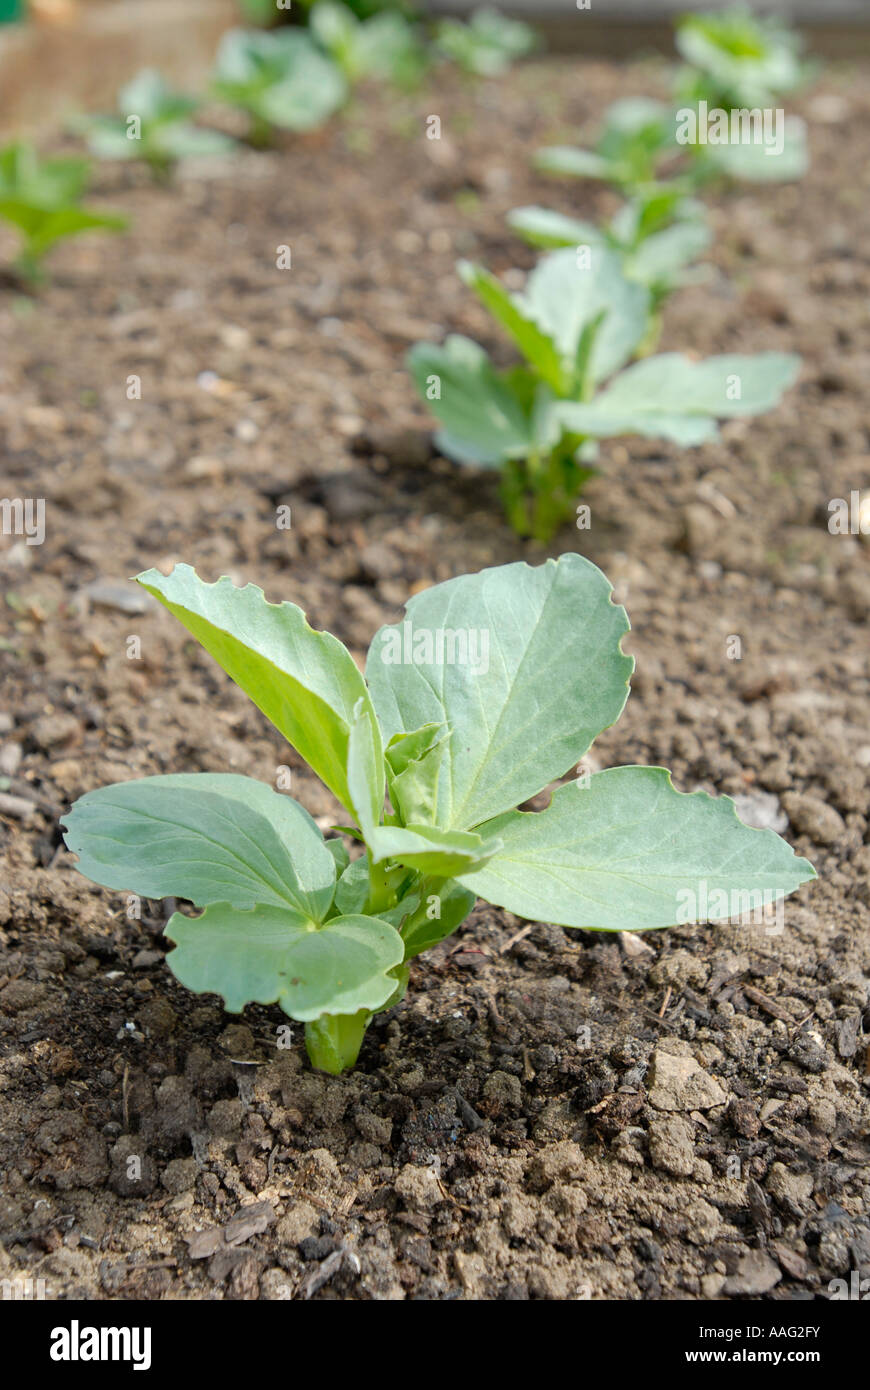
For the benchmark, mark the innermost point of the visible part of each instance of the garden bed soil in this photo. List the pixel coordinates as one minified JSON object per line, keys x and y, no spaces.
{"x":548,"y":1114}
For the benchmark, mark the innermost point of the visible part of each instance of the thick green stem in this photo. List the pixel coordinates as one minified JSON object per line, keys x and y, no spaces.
{"x":333,"y":1041}
{"x":382,"y":891}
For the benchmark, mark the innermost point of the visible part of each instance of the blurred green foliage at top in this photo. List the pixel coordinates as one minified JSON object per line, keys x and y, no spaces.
{"x":42,"y":199}
{"x":267,"y":12}
{"x":153,"y":123}
{"x":487,"y":45}
{"x":384,"y":45}
{"x":738,"y":59}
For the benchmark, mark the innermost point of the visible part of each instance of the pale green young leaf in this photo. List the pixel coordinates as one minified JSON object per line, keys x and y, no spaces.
{"x":509,"y":310}
{"x":565,"y":295}
{"x":404,"y":749}
{"x":207,"y":837}
{"x":628,"y":852}
{"x":530,"y":672}
{"x":265,"y":956}
{"x":352,"y":889}
{"x":305,"y":682}
{"x":413,"y":788}
{"x":552,"y":230}
{"x":483,"y":420}
{"x":760,"y":163}
{"x":430,"y":850}
{"x":672,"y":397}
{"x":661,"y":256}
{"x":572,"y":163}
{"x":366,"y":775}
{"x":437,"y":916}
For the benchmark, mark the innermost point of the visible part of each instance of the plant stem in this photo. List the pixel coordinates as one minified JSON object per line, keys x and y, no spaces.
{"x":381,"y":890}
{"x":333,"y":1041}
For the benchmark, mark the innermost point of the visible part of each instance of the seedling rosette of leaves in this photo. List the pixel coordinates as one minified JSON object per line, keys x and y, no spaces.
{"x":42,"y":199}
{"x":280,"y":78}
{"x":487,"y":44}
{"x":657,"y":234}
{"x":456,"y":746}
{"x":735,"y":58}
{"x":577,"y":324}
{"x":646,"y":142}
{"x":384,"y":46}
{"x":635,"y":149}
{"x":153,"y":124}
{"x":739,"y":62}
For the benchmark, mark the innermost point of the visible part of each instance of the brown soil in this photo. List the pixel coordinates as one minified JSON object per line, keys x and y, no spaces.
{"x":548,"y":1114}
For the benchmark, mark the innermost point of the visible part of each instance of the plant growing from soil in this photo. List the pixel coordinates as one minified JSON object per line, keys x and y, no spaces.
{"x":735,"y":62}
{"x":280,"y":78}
{"x":386,"y":45}
{"x":735,"y":58}
{"x":153,"y":124}
{"x":738,"y":62}
{"x":42,"y":198}
{"x":577,"y":324}
{"x":487,"y":44}
{"x":492,"y":687}
{"x":635,"y":145}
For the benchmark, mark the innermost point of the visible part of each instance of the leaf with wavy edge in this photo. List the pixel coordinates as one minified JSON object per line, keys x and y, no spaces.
{"x":265,"y":957}
{"x":306,"y":682}
{"x":628,"y":851}
{"x":205,"y":836}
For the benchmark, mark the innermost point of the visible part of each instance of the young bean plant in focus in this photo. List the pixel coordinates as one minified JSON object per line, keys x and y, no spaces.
{"x":492,"y":687}
{"x":577,"y":324}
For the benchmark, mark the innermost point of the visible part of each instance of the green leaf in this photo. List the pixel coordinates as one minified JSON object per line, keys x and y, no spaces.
{"x":148,"y":96}
{"x":483,"y":420}
{"x":565,"y":297}
{"x":741,"y":60}
{"x":306,"y":682}
{"x":628,"y":852}
{"x":281,"y":77}
{"x":509,"y":310}
{"x":70,"y":222}
{"x":432,"y":921}
{"x":526,"y":672}
{"x":206,"y":837}
{"x":182,"y":140}
{"x":265,"y":957}
{"x":430,"y":850}
{"x":311,"y":90}
{"x":760,"y":163}
{"x":571,"y":163}
{"x":405,"y":749}
{"x":662,"y":255}
{"x":638,"y":134}
{"x":415,"y":761}
{"x":339,"y":851}
{"x":352,"y":889}
{"x":672,"y":397}
{"x":366,"y":776}
{"x":551,"y":230}
{"x":487,"y":44}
